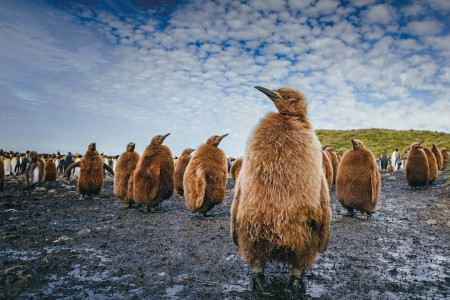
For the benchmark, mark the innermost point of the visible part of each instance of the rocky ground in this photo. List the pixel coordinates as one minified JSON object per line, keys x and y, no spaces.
{"x":53,"y":245}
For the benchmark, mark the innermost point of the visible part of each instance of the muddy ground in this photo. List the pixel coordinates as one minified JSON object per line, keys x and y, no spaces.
{"x":53,"y":245}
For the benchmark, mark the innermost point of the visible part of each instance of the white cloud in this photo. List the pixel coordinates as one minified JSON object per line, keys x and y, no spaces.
{"x":420,"y":28}
{"x":379,"y":14}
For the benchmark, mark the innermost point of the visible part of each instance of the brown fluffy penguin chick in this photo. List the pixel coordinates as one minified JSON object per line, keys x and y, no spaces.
{"x":417,"y":171}
{"x":445,"y":158}
{"x":180,"y":168}
{"x":50,"y":170}
{"x":236,"y":168}
{"x":432,"y":165}
{"x":205,"y":177}
{"x":153,"y":177}
{"x":334,"y":162}
{"x":390,"y":169}
{"x":90,"y":181}
{"x":126,"y":164}
{"x":2,"y":175}
{"x":35,"y":171}
{"x":280,"y":210}
{"x":437,"y":153}
{"x":358,"y":183}
{"x":327,"y":167}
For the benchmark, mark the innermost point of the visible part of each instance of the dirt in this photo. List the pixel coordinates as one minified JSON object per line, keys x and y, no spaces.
{"x":53,"y":245}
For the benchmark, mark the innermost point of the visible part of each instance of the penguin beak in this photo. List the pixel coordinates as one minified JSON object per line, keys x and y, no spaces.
{"x":222,"y":136}
{"x":272,"y":96}
{"x":192,"y":150}
{"x":324,"y":147}
{"x":420,"y":144}
{"x":164,"y":136}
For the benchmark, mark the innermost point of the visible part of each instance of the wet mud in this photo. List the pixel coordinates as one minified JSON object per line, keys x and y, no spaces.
{"x":55,"y":246}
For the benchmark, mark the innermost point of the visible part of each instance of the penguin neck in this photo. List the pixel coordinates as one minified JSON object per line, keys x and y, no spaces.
{"x":299,"y":118}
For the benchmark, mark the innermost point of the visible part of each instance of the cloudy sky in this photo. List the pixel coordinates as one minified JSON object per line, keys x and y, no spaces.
{"x":110,"y":71}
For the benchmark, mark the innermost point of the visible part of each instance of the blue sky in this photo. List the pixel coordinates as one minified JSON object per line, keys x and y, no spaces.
{"x":74,"y":72}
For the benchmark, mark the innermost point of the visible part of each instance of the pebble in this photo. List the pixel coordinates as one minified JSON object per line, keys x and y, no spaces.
{"x":431,"y":222}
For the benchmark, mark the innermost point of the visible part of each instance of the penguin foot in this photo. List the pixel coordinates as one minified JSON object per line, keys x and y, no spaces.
{"x":150,"y":209}
{"x":363,"y":216}
{"x":258,"y":282}
{"x":297,"y":284}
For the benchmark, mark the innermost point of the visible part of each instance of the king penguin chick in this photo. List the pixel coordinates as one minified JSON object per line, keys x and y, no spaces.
{"x":90,"y":180}
{"x":236,"y":168}
{"x":153,"y":177}
{"x":281,"y":210}
{"x":437,"y":153}
{"x":205,"y":177}
{"x":432,"y":165}
{"x":358,"y":183}
{"x":327,"y":167}
{"x":417,"y":171}
{"x":35,"y":171}
{"x":50,"y":170}
{"x":125,"y":166}
{"x":180,"y":169}
{"x":445,"y":158}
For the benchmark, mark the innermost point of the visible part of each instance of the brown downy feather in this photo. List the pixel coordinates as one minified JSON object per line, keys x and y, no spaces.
{"x":153,"y":176}
{"x":358,"y":183}
{"x":437,"y":153}
{"x":432,"y":165}
{"x":417,"y":171}
{"x":90,"y":181}
{"x":236,"y":168}
{"x":36,"y":165}
{"x":205,"y":177}
{"x":125,"y":166}
{"x":281,"y":206}
{"x":50,"y":170}
{"x":180,"y":169}
{"x":390,"y":169}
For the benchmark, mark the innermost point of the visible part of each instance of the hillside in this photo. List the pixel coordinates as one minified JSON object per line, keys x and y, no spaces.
{"x":379,"y":139}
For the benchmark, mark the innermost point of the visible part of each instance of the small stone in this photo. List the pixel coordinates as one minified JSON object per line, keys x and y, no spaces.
{"x":431,"y":222}
{"x":84,"y":232}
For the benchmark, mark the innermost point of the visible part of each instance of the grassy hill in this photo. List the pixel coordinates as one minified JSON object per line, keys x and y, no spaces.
{"x":379,"y":139}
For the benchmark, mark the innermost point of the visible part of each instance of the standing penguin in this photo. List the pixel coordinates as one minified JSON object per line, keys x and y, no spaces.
{"x":35,"y":171}
{"x":334,"y":162}
{"x":358,"y":182}
{"x":7,"y":164}
{"x":50,"y":170}
{"x":205,"y":177}
{"x":280,"y":210}
{"x":445,"y":158}
{"x":437,"y":153}
{"x":126,"y":164}
{"x":153,"y":177}
{"x":432,"y":165}
{"x":90,"y":180}
{"x":327,"y":167}
{"x":180,"y":169}
{"x":417,"y":171}
{"x":236,"y":168}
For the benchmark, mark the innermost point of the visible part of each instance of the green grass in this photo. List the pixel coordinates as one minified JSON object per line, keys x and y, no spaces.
{"x":379,"y":139}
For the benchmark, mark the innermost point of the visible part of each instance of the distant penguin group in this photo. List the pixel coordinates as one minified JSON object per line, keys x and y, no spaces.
{"x":280,"y":210}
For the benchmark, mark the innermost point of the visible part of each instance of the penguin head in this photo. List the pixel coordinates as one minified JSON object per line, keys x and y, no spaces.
{"x":187,"y":151}
{"x":288,"y":101}
{"x":158,"y":139}
{"x":92,"y":147}
{"x":33,"y":156}
{"x":215,"y":140}
{"x":416,"y":145}
{"x":130,"y":147}
{"x":434,"y":146}
{"x":357,"y":144}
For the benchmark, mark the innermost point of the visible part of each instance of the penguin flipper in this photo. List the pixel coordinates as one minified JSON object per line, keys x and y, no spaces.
{"x":374,"y":181}
{"x":72,"y":166}
{"x":324,"y":229}
{"x":108,"y":168}
{"x":234,"y":209}
{"x":199,"y":188}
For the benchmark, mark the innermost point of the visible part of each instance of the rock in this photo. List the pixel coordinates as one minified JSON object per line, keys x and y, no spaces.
{"x":84,"y":232}
{"x":431,"y":222}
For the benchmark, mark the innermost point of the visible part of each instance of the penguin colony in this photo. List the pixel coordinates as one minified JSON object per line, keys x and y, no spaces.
{"x":358,"y":183}
{"x":273,"y":218}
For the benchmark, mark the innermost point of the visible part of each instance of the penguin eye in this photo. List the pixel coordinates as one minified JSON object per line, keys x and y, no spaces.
{"x":285,"y":97}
